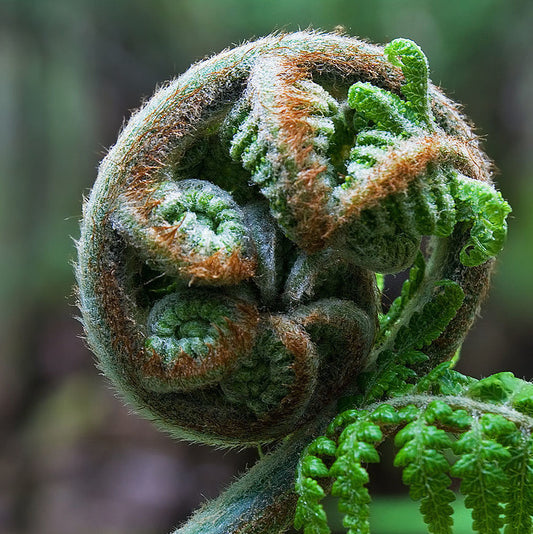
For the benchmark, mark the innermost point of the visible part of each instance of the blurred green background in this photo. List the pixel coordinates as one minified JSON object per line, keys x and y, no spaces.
{"x":72,"y":459}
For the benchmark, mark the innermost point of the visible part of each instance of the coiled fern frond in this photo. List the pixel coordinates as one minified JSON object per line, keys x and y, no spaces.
{"x":229,"y":262}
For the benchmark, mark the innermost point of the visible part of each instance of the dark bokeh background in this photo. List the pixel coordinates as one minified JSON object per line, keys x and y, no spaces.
{"x":72,"y":459}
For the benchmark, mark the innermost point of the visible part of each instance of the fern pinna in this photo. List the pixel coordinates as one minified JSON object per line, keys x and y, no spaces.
{"x":479,"y":433}
{"x":230,"y":266}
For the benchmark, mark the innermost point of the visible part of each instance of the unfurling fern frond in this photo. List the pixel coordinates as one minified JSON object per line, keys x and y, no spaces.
{"x":227,"y":271}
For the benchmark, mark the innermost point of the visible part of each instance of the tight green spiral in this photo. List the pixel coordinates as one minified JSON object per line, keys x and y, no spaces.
{"x":229,"y":248}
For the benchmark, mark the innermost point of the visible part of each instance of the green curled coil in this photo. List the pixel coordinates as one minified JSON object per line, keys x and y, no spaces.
{"x":409,"y":57}
{"x":229,"y":249}
{"x":196,"y":337}
{"x":190,"y":228}
{"x":208,"y":220}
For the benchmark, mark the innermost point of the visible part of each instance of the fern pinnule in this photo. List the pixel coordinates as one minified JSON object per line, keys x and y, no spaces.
{"x":519,"y":469}
{"x":356,"y":447}
{"x":480,"y":467}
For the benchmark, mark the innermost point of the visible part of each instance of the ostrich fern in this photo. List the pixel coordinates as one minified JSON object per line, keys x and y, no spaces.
{"x":231,"y":260}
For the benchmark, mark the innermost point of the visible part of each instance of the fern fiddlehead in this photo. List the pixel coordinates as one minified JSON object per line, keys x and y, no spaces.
{"x":229,"y":251}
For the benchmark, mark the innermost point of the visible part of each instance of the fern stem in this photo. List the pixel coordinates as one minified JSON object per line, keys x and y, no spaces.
{"x":263,"y":500}
{"x":457,"y":402}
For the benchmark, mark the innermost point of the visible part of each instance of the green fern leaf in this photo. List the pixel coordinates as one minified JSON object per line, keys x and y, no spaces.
{"x":427,"y":324}
{"x":484,"y":208}
{"x":393,"y":376}
{"x":481,"y":468}
{"x":309,"y":513}
{"x":414,"y":64}
{"x":356,"y":445}
{"x":495,"y":389}
{"x":519,"y":469}
{"x":385,"y":415}
{"x":322,"y":446}
{"x":443,"y":380}
{"x":342,"y":420}
{"x":504,"y":388}
{"x":396,"y":369}
{"x":522,"y":398}
{"x":425,"y":470}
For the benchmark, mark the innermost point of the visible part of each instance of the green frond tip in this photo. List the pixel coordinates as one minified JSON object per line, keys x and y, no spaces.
{"x":386,"y":110}
{"x":481,"y":206}
{"x":409,"y":57}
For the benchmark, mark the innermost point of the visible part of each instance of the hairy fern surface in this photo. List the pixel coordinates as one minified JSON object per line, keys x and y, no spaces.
{"x":230,"y":277}
{"x":445,"y":425}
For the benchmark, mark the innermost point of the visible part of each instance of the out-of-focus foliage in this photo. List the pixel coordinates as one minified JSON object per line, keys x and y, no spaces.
{"x":70,"y":71}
